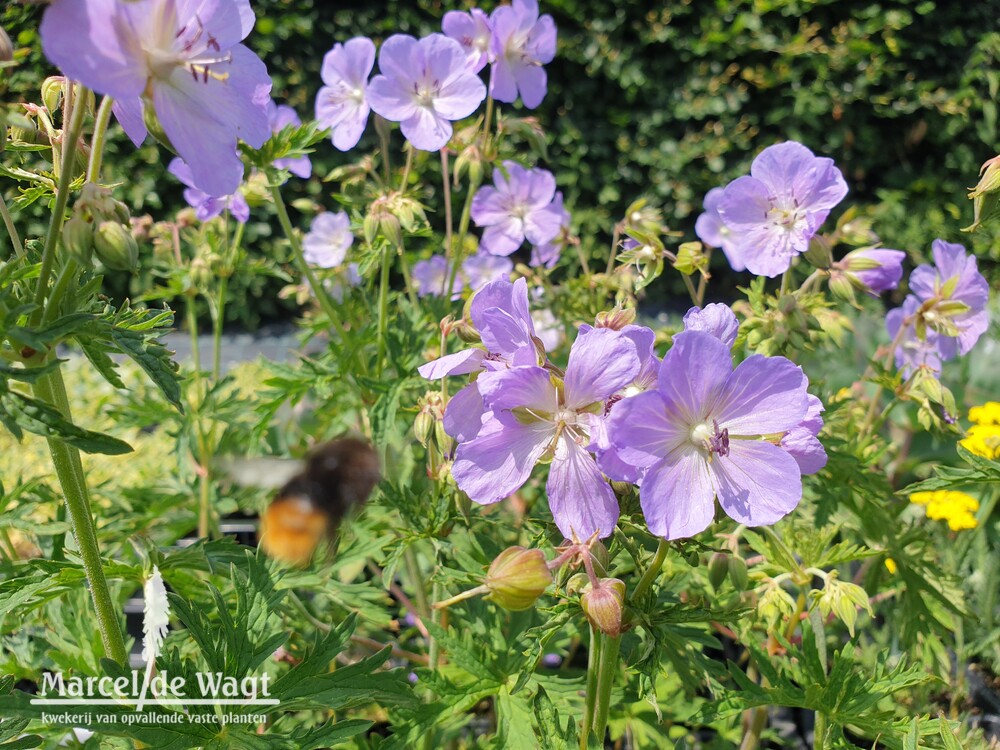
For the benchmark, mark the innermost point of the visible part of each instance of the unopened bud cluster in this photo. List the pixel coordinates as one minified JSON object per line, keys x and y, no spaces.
{"x":100,"y":225}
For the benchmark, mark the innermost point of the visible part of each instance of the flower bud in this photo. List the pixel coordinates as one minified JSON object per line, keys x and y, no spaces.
{"x":738,"y":573}
{"x":78,"y":238}
{"x":718,"y":569}
{"x":600,"y":557}
{"x":690,"y":258}
{"x":985,"y":196}
{"x":52,"y":92}
{"x":156,"y":129}
{"x":615,"y":319}
{"x":577,"y":583}
{"x":115,"y":246}
{"x":819,"y":252}
{"x":841,"y":286}
{"x":466,"y":333}
{"x":6,"y":47}
{"x":603,"y":604}
{"x":518,"y":577}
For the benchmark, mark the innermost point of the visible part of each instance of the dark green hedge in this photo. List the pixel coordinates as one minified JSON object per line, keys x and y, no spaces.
{"x":670,"y":99}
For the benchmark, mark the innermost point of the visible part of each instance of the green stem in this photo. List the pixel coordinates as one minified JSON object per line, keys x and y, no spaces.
{"x":449,"y":251}
{"x":758,"y":722}
{"x":69,"y":470}
{"x":322,"y":295}
{"x":219,"y":309}
{"x":593,"y":664}
{"x":70,"y":138}
{"x":652,"y":571}
{"x":819,"y":731}
{"x":605,"y":680}
{"x":383,"y":313}
{"x":15,"y":239}
{"x":101,"y":121}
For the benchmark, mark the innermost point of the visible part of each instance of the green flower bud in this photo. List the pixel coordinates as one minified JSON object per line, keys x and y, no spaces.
{"x":603,"y":605}
{"x":690,"y":258}
{"x":518,"y":577}
{"x":577,"y":583}
{"x":718,"y":569}
{"x":738,"y":573}
{"x":156,"y":129}
{"x":693,"y":559}
{"x":466,"y":333}
{"x":78,"y":238}
{"x":819,"y":252}
{"x":116,"y":247}
{"x":600,"y":557}
{"x":985,"y":196}
{"x":52,"y":92}
{"x":841,"y":286}
{"x":24,"y":133}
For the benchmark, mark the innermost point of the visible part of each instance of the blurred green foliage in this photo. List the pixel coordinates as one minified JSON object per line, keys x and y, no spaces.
{"x":669,"y":100}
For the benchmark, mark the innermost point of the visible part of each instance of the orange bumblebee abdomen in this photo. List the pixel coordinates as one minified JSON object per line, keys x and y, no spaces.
{"x":292,"y":528}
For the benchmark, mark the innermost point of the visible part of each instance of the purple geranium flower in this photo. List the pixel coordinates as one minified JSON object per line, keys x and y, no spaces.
{"x":342,"y":104}
{"x":953,"y":296}
{"x":500,"y":313}
{"x":913,"y":351}
{"x":208,"y":206}
{"x":328,"y":239}
{"x":522,"y":43}
{"x":281,"y":116}
{"x":431,"y":276}
{"x":712,"y":230}
{"x":424,"y":85}
{"x":482,"y":268}
{"x":519,"y":205}
{"x":801,"y":441}
{"x":547,"y":254}
{"x":346,"y":277}
{"x":774,"y":212}
{"x":531,"y":415}
{"x":182,"y":58}
{"x":473,"y":31}
{"x":873,"y":270}
{"x":700,"y":435}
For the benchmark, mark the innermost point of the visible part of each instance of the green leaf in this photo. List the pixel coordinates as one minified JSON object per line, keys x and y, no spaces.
{"x":19,"y":412}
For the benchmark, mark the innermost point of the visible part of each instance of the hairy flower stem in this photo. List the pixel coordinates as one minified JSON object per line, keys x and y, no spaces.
{"x":463,"y":230}
{"x":70,"y":137}
{"x":383,"y":314}
{"x":51,"y":388}
{"x":218,"y":309}
{"x":101,"y":120}
{"x":449,"y":251}
{"x":606,"y":672}
{"x":69,"y":470}
{"x":593,"y":663}
{"x":322,"y":295}
{"x":15,"y":239}
{"x":873,"y":404}
{"x":652,"y":571}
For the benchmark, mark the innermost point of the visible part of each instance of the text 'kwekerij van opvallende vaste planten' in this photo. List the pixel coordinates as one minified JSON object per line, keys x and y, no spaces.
{"x":528,"y":478}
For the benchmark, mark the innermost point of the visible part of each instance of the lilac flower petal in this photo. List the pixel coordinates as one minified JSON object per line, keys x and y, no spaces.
{"x":483,"y":268}
{"x":499,"y":459}
{"x":511,"y":298}
{"x":677,"y":497}
{"x":757,"y":483}
{"x":692,"y":374}
{"x":716,"y":319}
{"x":426,"y":130}
{"x":459,"y":363}
{"x":581,"y":500}
{"x":806,"y":449}
{"x":503,"y":239}
{"x":129,"y":114}
{"x":601,"y":362}
{"x":763,"y":395}
{"x":744,"y":201}
{"x":641,"y":431}
{"x":83,"y":40}
{"x":460,"y":97}
{"x":532,"y":82}
{"x":463,"y":417}
{"x":505,"y":333}
{"x":520,"y":387}
{"x":883,"y":277}
{"x":239,"y":208}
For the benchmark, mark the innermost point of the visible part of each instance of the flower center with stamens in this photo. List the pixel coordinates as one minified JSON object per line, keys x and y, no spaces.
{"x":425,"y":94}
{"x":710,"y":438}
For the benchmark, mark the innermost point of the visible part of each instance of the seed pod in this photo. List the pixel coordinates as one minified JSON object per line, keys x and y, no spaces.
{"x":116,"y":247}
{"x":718,"y":569}
{"x":52,"y":93}
{"x":518,"y":577}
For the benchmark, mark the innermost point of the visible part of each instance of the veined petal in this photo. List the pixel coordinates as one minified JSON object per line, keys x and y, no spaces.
{"x":503,"y":238}
{"x":806,"y":449}
{"x":757,"y":483}
{"x":677,"y":497}
{"x":580,"y":498}
{"x":459,"y":363}
{"x":528,"y":387}
{"x":129,"y":113}
{"x":463,"y":417}
{"x":745,"y":202}
{"x":641,"y":430}
{"x":692,"y":374}
{"x":601,"y":362}
{"x":764,"y":395}
{"x":460,"y":97}
{"x":504,"y":333}
{"x":426,"y":130}
{"x":498,"y":460}
{"x":388,"y":98}
{"x":716,"y":319}
{"x":532,"y":83}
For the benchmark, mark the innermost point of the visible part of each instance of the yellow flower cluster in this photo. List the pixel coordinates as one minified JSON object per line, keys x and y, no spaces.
{"x":957,"y":508}
{"x":983,"y":438}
